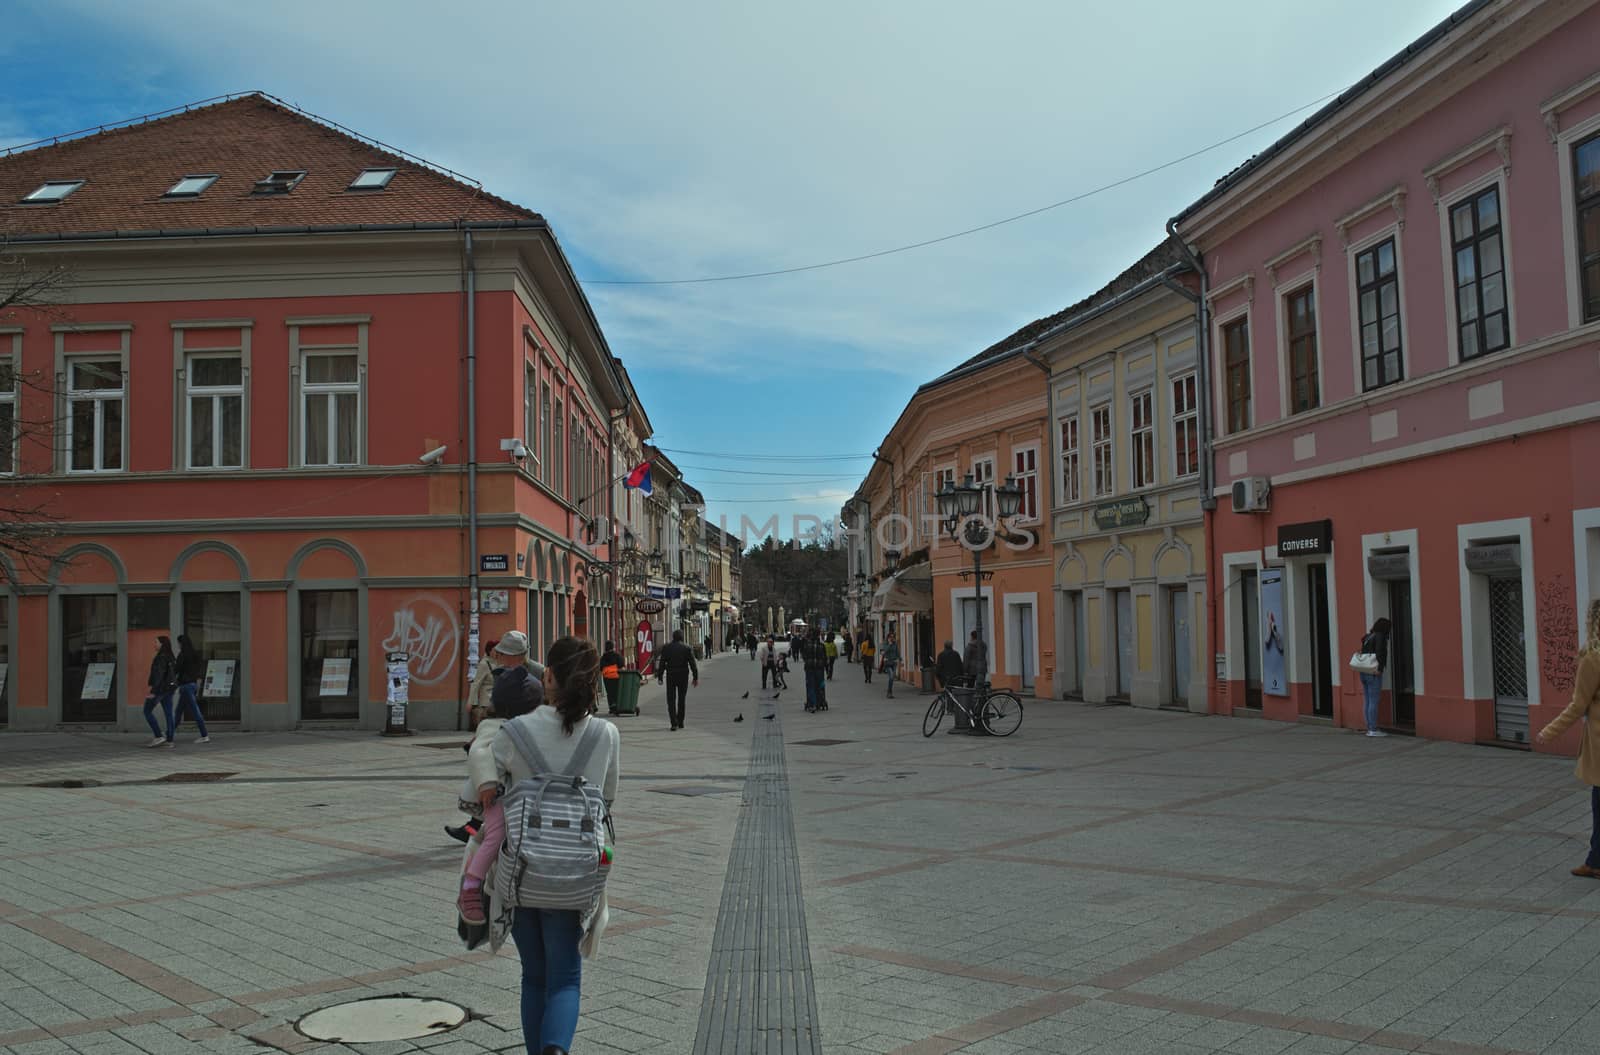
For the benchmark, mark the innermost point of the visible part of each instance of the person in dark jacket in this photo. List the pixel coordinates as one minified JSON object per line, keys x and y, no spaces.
{"x":976,"y":660}
{"x":1377,"y":643}
{"x":191,"y":672}
{"x":674,"y":666}
{"x":815,"y":656}
{"x":163,"y":679}
{"x":611,"y":675}
{"x":948,"y":668}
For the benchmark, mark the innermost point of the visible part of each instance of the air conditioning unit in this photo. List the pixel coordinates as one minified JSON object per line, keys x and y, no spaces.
{"x":599,"y":530}
{"x":1250,"y":494}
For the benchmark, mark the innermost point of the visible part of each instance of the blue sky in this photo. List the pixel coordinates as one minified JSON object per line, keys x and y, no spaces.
{"x":694,"y":139}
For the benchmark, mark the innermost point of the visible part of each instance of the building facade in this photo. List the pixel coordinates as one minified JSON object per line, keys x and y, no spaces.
{"x":248,"y":403}
{"x":1127,"y":525}
{"x":1404,"y":327}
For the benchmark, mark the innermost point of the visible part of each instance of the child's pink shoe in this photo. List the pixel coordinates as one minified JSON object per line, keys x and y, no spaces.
{"x":469,"y":905}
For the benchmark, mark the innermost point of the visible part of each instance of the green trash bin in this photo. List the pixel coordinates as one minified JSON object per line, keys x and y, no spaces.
{"x":628,"y":692}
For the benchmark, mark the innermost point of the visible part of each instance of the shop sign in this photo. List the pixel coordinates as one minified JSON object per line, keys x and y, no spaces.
{"x":1305,"y":540}
{"x":219,"y":678}
{"x":1502,"y":559}
{"x":1274,"y":669}
{"x":97,"y":681}
{"x":644,"y":644}
{"x":1389,"y":566}
{"x":669,"y":592}
{"x":647,"y":605}
{"x":335,"y":678}
{"x":1124,"y":512}
{"x":494,"y":562}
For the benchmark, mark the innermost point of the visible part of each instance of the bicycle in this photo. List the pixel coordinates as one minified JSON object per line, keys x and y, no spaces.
{"x":997,"y":713}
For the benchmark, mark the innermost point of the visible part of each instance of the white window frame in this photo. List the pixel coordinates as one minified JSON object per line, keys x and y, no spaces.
{"x":1024,"y":514}
{"x":1099,"y":446}
{"x":1494,"y":178}
{"x":530,"y":408}
{"x":985,"y":482}
{"x":1395,"y":230}
{"x":1071,"y":482}
{"x":100,"y":397}
{"x":1477,"y":674}
{"x":216,"y":393}
{"x":1280,"y":295}
{"x":1566,"y":142}
{"x":1146,"y":436}
{"x":1190,"y":417}
{"x":330,"y":389}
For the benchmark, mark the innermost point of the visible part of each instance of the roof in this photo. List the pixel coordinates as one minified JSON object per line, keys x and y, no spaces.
{"x":126,"y":171}
{"x":1164,"y":256}
{"x":1411,"y":51}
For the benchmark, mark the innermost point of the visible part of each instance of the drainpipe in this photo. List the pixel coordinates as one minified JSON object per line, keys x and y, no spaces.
{"x":472,"y":464}
{"x":611,"y":510}
{"x":1208,"y":501}
{"x":1050,"y":438}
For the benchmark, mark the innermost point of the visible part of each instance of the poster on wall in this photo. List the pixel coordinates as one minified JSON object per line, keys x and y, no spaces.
{"x":398,"y":695}
{"x":644,"y":637}
{"x":97,"y":681}
{"x":1274,"y":668}
{"x":219,"y":678}
{"x":496,"y":602}
{"x":335,"y":677}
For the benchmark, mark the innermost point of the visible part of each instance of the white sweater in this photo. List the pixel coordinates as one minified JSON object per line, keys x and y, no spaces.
{"x":544,"y":726}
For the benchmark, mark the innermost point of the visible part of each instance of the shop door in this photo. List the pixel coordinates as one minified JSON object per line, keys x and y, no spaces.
{"x":1080,"y":642}
{"x":1321,"y":641}
{"x":1509,"y":656}
{"x":329,"y":661}
{"x":1180,"y":646}
{"x":1125,"y":652}
{"x":1250,"y":605}
{"x":1022,"y":627}
{"x":1402,"y":671}
{"x":211,"y":620}
{"x":88,"y":657}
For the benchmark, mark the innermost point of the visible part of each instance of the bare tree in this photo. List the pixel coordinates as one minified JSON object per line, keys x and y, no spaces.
{"x":27,"y":419}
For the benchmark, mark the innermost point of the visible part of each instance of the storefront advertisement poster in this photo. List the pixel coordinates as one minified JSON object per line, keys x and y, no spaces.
{"x":1274,"y":668}
{"x":97,"y":681}
{"x":335,"y":677}
{"x":399,"y":694}
{"x":219,"y":678}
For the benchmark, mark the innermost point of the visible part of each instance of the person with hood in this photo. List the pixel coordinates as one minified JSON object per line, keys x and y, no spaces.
{"x":191,"y":672}
{"x":163,"y":679}
{"x":1586,"y":705}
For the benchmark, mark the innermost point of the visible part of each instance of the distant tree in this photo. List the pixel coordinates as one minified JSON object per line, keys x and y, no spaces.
{"x":27,"y":420}
{"x":805,"y":580}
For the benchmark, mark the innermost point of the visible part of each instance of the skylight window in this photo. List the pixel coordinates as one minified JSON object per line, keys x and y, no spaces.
{"x":281,"y":182}
{"x":54,"y":190}
{"x":372,"y":179}
{"x":190,"y":186}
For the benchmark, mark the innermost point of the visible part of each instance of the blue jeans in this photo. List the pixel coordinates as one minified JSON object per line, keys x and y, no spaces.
{"x":188,"y":699}
{"x":165,"y":700}
{"x":813,"y":689}
{"x":552,"y":976}
{"x":1371,"y":688}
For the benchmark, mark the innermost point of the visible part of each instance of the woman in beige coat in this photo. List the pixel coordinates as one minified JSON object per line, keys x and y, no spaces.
{"x":1586,"y":705}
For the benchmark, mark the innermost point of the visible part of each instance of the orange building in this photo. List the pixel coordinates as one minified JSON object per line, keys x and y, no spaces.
{"x":985,"y":418}
{"x":303,"y":398}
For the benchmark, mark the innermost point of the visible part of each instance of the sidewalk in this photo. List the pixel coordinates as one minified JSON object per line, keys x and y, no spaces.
{"x":1107,"y":880}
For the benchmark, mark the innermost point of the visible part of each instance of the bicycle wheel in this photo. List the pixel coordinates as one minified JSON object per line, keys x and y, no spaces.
{"x":935,"y":715}
{"x":1002,"y":714}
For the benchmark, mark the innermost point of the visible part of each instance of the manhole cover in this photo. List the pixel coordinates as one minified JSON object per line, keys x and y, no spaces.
{"x":692,"y":789}
{"x":192,"y":778}
{"x":821,"y":743}
{"x":382,"y":1018}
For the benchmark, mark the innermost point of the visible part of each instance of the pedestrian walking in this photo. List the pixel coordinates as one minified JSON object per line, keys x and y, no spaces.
{"x":1376,"y":642}
{"x":611,"y":674}
{"x":674,"y":666}
{"x":831,"y":648}
{"x":1586,"y":705}
{"x":507,"y":653}
{"x":815,"y":658}
{"x":976,"y":660}
{"x":480,"y":693}
{"x":552,"y":942}
{"x":163,"y":679}
{"x":948,"y":668}
{"x":750,"y":643}
{"x":849,"y":647}
{"x":891,"y":661}
{"x":191,"y":671}
{"x":868,"y":651}
{"x":516,"y":693}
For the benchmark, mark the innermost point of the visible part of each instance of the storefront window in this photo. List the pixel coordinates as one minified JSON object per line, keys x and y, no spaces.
{"x":329,"y":660}
{"x":88,"y":657}
{"x":212,"y":622}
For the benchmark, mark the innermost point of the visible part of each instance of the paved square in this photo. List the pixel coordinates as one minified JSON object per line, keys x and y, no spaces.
{"x":1107,"y":880}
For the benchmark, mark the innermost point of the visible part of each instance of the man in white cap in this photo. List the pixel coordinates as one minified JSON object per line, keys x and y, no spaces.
{"x":512,"y":649}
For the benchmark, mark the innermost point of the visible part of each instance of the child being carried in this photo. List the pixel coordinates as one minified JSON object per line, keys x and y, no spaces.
{"x":516,"y":692}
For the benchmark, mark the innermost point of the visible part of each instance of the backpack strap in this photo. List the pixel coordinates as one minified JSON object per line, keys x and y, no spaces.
{"x":585,"y":749}
{"x":523,"y":743}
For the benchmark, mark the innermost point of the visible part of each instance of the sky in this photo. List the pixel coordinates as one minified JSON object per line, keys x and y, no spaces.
{"x":699,"y":139}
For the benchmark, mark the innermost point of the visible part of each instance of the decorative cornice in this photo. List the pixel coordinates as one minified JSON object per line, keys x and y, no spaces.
{"x":212,"y":324}
{"x":1312,"y":245}
{"x":90,"y":327}
{"x":326,"y":320}
{"x":1393,"y":198}
{"x":1497,"y":139}
{"x":1246,"y":282}
{"x":1551,"y":108}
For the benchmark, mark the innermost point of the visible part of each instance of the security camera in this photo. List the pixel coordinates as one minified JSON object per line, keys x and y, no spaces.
{"x":519,"y":450}
{"x":433,"y":456}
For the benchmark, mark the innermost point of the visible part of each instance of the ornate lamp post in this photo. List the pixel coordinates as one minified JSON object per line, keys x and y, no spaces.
{"x":960,"y":505}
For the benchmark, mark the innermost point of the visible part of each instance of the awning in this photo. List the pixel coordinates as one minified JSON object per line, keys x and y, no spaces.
{"x":907,"y":591}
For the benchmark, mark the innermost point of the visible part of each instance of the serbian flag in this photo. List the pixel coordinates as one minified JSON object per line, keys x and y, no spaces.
{"x":639,"y":478}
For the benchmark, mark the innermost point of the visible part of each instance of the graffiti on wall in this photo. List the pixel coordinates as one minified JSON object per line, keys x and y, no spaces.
{"x":426,"y":628}
{"x":1558,"y":632}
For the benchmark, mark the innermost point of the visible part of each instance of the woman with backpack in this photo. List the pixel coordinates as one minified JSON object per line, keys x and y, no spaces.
{"x":551,"y":941}
{"x":163,"y":680}
{"x":1376,"y":643}
{"x":1586,"y":705}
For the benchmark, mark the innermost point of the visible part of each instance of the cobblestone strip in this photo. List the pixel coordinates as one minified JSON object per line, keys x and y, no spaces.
{"x":760,"y":995}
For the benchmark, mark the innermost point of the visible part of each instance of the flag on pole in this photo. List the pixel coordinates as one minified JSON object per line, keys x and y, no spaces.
{"x":639,"y":478}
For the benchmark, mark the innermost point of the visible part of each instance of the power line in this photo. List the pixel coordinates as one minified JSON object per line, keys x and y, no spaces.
{"x":970,"y":230}
{"x":767,"y":457}
{"x":812,"y":477}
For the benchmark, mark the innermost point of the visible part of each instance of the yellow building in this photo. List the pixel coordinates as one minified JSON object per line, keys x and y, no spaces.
{"x":1127,"y":525}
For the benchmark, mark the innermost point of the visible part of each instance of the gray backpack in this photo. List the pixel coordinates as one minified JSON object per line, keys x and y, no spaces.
{"x":555,"y":853}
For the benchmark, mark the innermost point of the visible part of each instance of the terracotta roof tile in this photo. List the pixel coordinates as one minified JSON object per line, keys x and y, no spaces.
{"x":127,"y":171}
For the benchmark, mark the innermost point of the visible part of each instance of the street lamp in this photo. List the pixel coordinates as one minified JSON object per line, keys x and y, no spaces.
{"x":960,"y":506}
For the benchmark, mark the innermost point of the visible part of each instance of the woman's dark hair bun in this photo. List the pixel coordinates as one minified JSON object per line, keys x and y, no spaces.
{"x":575,"y":667}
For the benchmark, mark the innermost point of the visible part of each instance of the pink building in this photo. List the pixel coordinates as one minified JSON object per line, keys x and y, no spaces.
{"x":1404,"y":349}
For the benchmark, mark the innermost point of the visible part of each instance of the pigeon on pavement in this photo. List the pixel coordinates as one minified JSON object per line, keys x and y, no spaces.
{"x":768,"y":717}
{"x":746,"y":696}
{"x":740,"y":718}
